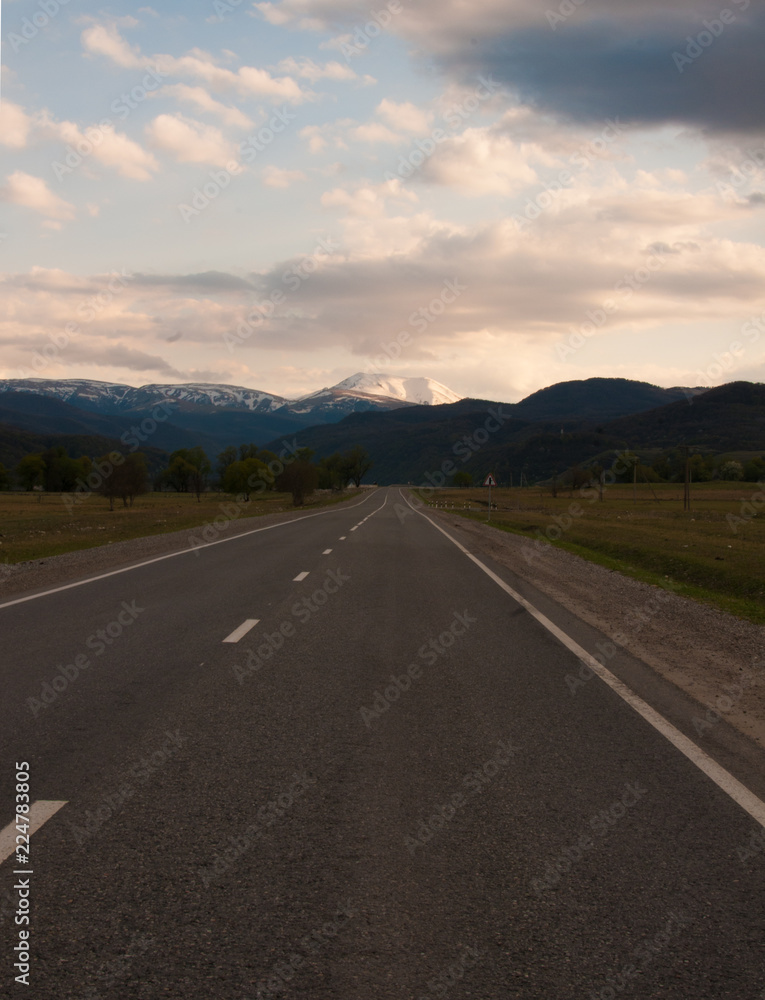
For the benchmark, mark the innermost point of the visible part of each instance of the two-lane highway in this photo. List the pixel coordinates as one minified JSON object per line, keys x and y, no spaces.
{"x":337,"y":758}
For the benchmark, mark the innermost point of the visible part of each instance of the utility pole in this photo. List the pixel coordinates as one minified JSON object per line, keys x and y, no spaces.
{"x":687,"y":482}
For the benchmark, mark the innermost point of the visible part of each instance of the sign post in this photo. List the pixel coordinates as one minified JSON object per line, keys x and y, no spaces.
{"x":489,"y":481}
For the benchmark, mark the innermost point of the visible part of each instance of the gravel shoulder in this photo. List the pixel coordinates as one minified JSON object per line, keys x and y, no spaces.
{"x":716,"y":658}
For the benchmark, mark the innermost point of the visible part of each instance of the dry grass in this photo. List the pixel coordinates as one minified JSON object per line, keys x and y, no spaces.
{"x":704,"y":552}
{"x":35,"y":526}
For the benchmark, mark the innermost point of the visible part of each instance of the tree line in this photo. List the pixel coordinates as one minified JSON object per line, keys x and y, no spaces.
{"x":242,"y":470}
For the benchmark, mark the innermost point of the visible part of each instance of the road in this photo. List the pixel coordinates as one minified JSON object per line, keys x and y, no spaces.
{"x":387,"y":787}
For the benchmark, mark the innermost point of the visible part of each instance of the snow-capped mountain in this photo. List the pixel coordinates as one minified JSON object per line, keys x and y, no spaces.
{"x":111,"y":397}
{"x":398,"y":387}
{"x":359,"y":392}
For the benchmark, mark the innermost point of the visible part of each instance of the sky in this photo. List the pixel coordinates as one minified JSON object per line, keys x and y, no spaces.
{"x":496,"y":194}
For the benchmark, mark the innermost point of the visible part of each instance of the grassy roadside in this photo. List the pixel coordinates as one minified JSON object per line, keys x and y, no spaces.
{"x":649,"y":538}
{"x":36,"y":526}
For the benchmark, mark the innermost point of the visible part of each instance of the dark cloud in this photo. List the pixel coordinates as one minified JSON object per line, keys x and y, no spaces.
{"x":590,"y":70}
{"x":206,"y":281}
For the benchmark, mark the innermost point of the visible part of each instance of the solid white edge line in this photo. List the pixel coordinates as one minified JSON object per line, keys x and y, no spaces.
{"x":722,"y":778}
{"x":39,"y":813}
{"x":243,"y":629}
{"x":172,"y":555}
{"x":300,"y":577}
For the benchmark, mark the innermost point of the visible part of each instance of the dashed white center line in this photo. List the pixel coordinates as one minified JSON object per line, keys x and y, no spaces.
{"x":299,"y":577}
{"x":40,"y":812}
{"x":353,"y":529}
{"x":326,"y":552}
{"x":243,"y":629}
{"x":342,"y":538}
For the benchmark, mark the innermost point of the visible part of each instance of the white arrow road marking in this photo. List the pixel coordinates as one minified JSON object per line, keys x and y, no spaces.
{"x":243,"y":629}
{"x":40,"y":813}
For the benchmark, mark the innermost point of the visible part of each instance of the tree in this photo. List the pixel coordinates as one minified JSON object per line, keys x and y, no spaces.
{"x":226,"y":458}
{"x":732,"y":471}
{"x":188,"y":470}
{"x":242,"y":476}
{"x":300,"y":478}
{"x":333,"y":472}
{"x":31,"y":470}
{"x":754,"y":470}
{"x":132,"y":478}
{"x":5,"y":479}
{"x":357,"y":464}
{"x":462,"y":479}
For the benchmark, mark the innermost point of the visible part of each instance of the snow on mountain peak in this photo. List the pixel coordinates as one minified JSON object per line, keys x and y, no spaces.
{"x":408,"y":390}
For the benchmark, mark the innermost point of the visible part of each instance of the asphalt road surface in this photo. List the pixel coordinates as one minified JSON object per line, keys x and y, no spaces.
{"x":396,"y":783}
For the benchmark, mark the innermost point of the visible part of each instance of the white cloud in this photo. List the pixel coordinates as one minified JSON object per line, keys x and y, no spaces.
{"x":312,"y":71}
{"x":105,"y":40}
{"x":14,"y":125}
{"x":33,"y":192}
{"x":406,"y":116}
{"x":479,"y":163}
{"x":201,"y":99}
{"x":105,"y":145}
{"x":190,"y":141}
{"x":277,"y":178}
{"x":248,"y":81}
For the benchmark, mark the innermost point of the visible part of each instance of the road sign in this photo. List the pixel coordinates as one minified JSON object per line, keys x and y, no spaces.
{"x":490,"y":481}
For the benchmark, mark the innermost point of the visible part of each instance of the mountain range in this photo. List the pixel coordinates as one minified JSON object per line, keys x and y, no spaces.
{"x":409,"y":426}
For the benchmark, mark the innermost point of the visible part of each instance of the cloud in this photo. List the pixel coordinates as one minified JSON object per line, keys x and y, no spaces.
{"x":478,"y":162}
{"x":248,"y":81}
{"x":312,"y":71}
{"x":190,"y":141}
{"x":601,"y":59}
{"x":104,"y":145}
{"x":14,"y":125}
{"x":277,"y":178}
{"x":201,"y":99}
{"x":33,"y":192}
{"x":406,"y":117}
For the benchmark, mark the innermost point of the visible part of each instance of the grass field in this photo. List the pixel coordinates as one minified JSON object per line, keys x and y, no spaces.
{"x":34,"y":526}
{"x":650,"y":537}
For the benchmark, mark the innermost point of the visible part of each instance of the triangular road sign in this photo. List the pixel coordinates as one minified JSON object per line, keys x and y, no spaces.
{"x":490,"y":480}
